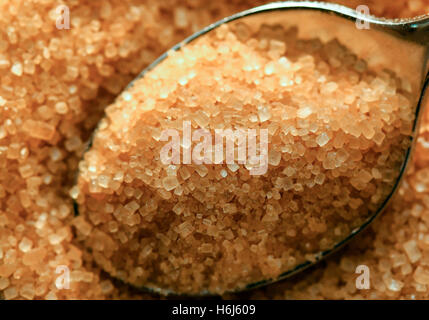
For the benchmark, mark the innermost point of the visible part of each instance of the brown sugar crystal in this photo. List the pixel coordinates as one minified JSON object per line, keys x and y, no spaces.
{"x":193,"y":227}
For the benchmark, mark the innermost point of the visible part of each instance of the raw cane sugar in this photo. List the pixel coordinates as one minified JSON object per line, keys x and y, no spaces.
{"x":85,"y":69}
{"x":336,"y":135}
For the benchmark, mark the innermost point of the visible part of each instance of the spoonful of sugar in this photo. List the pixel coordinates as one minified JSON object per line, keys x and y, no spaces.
{"x":253,"y":149}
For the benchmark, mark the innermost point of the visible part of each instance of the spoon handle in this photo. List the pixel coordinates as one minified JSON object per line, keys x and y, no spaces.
{"x":419,"y":32}
{"x":416,"y":30}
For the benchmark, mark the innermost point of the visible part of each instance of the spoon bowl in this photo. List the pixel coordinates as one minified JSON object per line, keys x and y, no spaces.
{"x":400,"y":46}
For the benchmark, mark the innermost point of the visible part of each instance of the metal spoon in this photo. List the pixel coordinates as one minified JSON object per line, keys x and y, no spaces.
{"x":400,"y":45}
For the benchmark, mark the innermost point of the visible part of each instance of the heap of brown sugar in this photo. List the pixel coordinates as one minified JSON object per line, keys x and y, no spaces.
{"x":84,"y":68}
{"x":337,"y":136}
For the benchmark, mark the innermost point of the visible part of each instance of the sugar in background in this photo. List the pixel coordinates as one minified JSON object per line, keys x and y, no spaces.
{"x":54,"y":85}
